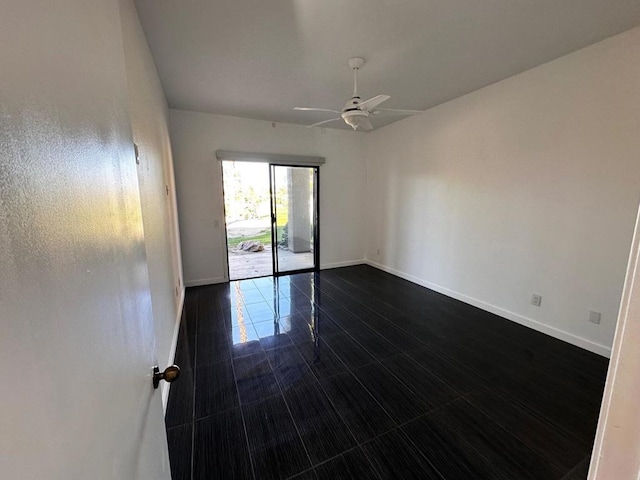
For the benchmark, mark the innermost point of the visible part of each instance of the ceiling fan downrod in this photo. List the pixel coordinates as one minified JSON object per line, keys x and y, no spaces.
{"x":355,"y":64}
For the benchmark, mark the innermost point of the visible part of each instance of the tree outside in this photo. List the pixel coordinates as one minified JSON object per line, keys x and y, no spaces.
{"x":247,"y":203}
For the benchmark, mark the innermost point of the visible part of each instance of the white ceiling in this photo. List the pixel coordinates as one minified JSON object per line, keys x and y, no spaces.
{"x":259,"y":59}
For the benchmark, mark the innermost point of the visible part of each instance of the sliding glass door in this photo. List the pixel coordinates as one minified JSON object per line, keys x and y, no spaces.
{"x":294,"y":218}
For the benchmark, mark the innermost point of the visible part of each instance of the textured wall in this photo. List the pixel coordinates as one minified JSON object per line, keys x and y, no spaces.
{"x":149,"y":121}
{"x":76,"y":327}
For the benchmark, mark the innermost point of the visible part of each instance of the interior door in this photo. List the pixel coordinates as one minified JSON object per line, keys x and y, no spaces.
{"x":76,"y":330}
{"x":295,"y":231}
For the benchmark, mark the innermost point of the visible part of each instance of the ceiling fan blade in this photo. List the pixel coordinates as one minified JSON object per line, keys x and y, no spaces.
{"x":323,"y":122}
{"x":394,"y":111}
{"x":314,"y":109}
{"x":372,"y":102}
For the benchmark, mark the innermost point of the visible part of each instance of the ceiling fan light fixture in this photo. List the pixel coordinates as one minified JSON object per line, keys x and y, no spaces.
{"x":355,"y":118}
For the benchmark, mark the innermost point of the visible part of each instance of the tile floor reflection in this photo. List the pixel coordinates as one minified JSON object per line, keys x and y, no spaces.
{"x":354,"y":373}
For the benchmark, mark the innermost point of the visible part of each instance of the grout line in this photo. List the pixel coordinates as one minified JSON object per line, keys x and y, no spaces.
{"x":566,"y":475}
{"x":358,"y":446}
{"x":295,"y":425}
{"x":344,"y":294}
{"x":464,"y":370}
{"x":515,"y":434}
{"x":366,"y":390}
{"x":235,"y":384}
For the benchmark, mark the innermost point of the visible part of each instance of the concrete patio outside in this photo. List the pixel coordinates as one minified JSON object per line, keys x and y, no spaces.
{"x":259,"y":264}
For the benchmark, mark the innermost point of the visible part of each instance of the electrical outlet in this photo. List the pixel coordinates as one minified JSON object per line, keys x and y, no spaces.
{"x":536,"y":300}
{"x":594,"y":317}
{"x":378,"y":252}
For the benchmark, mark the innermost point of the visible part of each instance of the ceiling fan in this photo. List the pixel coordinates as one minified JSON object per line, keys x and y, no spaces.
{"x":355,"y":112}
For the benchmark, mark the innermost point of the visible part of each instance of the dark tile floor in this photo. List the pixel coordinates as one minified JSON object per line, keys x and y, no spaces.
{"x":354,"y":373}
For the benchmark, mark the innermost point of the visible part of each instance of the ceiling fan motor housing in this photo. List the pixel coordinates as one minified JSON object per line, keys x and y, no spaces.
{"x":352,"y":104}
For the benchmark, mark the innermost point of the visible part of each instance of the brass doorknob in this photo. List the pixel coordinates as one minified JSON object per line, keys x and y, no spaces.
{"x":170,"y":374}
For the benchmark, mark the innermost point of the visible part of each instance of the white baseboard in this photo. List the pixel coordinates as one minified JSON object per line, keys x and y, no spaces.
{"x":515,"y":317}
{"x":172,"y":352}
{"x":349,"y":263}
{"x":204,"y":281}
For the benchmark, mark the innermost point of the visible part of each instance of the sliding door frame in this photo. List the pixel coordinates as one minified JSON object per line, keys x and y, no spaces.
{"x":282,"y":160}
{"x":316,"y":220}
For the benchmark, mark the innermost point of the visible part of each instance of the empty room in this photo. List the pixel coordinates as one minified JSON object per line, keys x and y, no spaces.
{"x":320,"y":240}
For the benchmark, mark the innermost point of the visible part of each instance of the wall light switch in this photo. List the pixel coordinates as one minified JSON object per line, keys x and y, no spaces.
{"x":594,"y":317}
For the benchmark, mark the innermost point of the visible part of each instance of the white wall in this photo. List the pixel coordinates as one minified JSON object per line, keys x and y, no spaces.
{"x":76,"y":327}
{"x":530,"y":185}
{"x":195,"y":138}
{"x":149,"y":121}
